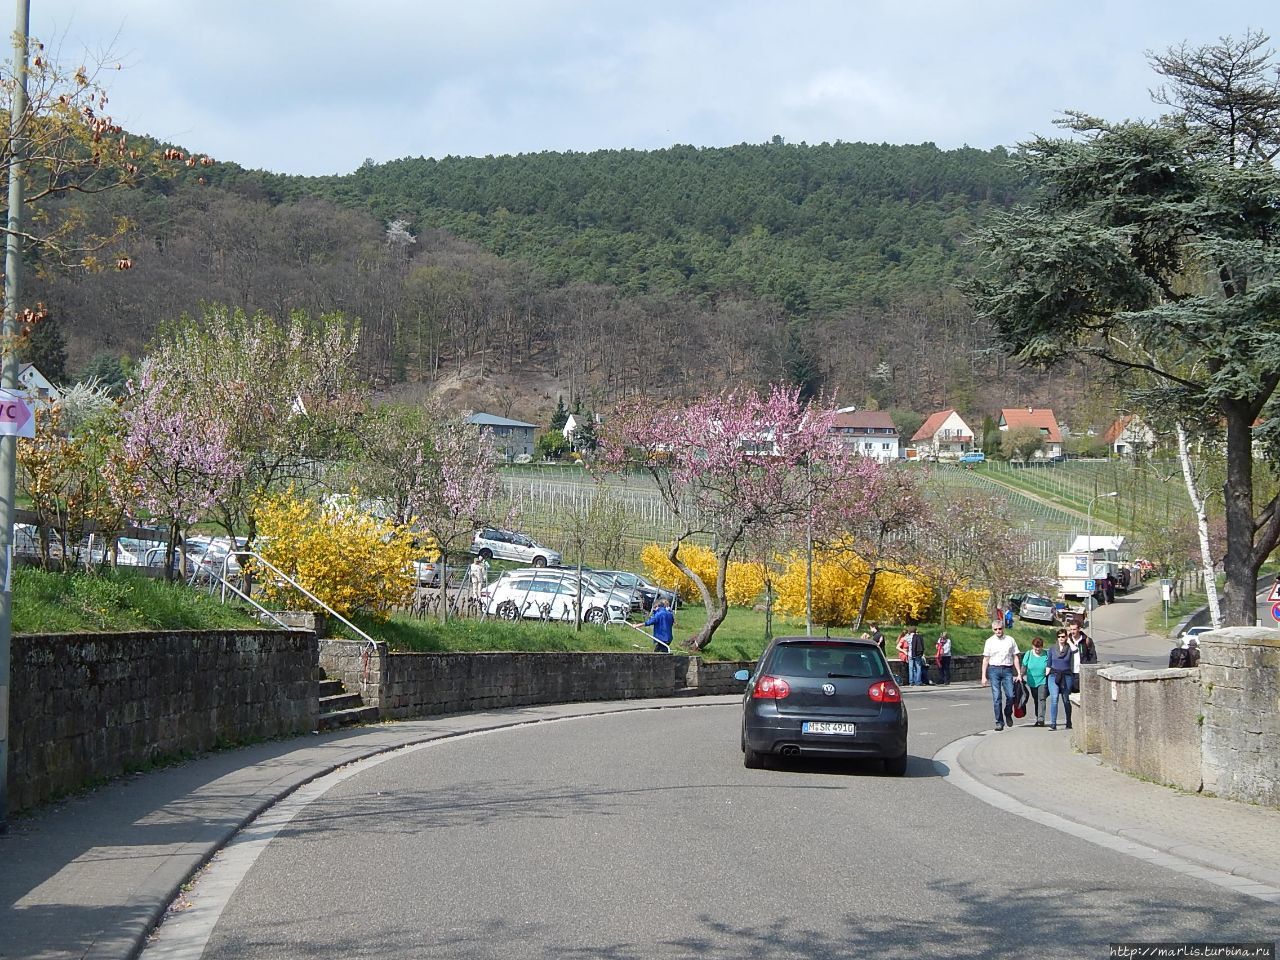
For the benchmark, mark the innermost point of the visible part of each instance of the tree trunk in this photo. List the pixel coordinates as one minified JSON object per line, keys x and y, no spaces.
{"x":1202,"y":528}
{"x":717,"y":608}
{"x":866,"y":596}
{"x":1242,"y":561}
{"x":444,"y":586}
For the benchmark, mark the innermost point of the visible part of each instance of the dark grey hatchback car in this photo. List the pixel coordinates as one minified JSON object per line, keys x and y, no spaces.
{"x":823,"y":697}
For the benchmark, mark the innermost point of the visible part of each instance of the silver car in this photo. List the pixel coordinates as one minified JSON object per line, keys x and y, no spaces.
{"x":491,"y":542}
{"x":1036,"y":608}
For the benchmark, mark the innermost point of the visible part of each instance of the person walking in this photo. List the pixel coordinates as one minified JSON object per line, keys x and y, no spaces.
{"x":1083,"y":650}
{"x":915,"y":640}
{"x":1061,"y":657}
{"x":942,"y":657}
{"x":877,"y":637}
{"x":1000,"y":662}
{"x":1035,"y":662}
{"x":662,"y":620}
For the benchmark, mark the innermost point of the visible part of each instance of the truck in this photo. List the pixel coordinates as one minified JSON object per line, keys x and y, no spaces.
{"x":1079,"y":572}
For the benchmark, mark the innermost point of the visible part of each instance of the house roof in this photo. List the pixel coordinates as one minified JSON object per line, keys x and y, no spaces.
{"x":489,"y":420}
{"x":864,"y":420}
{"x":934,"y":424}
{"x":1117,"y":428}
{"x":1041,"y":419}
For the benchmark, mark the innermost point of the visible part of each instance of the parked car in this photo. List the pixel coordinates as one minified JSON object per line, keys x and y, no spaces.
{"x":491,"y":542}
{"x":649,"y":592}
{"x":1037,"y":608}
{"x":1195,"y":631}
{"x":593,"y":581}
{"x":812,"y":697}
{"x":533,"y":595}
{"x":976,"y":456}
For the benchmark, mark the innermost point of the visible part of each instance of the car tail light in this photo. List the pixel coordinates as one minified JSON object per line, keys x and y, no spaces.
{"x":885,"y":691}
{"x":771,"y":688}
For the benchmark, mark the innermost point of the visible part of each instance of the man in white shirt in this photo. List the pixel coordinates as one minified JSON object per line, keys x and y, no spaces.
{"x":1000,"y":662}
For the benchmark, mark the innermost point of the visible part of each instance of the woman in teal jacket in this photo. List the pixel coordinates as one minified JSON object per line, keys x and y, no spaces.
{"x":1036,"y":664}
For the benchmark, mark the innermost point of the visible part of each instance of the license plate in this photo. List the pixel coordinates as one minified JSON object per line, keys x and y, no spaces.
{"x":827,"y":727}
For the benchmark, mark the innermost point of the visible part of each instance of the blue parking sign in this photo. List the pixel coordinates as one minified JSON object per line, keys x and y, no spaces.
{"x":1091,"y":585}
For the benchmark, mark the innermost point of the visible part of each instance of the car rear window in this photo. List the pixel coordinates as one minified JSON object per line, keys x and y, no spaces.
{"x":824,"y":659}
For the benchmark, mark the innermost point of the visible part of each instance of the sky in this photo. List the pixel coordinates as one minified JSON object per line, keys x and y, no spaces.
{"x":318,"y":87}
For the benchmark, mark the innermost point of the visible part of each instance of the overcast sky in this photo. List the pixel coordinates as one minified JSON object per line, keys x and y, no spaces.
{"x":316,"y":87}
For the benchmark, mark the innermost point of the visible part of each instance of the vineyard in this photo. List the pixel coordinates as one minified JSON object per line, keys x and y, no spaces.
{"x":1051,"y":502}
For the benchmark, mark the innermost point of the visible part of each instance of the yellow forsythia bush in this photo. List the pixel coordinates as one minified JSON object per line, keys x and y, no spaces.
{"x":351,"y":561}
{"x":743,"y":581}
{"x":968,"y":607}
{"x":837,"y":588}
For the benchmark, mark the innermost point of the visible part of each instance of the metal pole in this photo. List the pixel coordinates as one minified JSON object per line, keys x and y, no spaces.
{"x":808,"y":565}
{"x":1088,"y":537}
{"x":9,"y":380}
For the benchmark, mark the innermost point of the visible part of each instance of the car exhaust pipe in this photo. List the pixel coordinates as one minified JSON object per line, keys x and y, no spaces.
{"x":791,"y":751}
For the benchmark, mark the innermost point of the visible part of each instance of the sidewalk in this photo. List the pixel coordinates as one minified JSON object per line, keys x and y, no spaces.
{"x":1047,"y":781}
{"x":90,"y":877}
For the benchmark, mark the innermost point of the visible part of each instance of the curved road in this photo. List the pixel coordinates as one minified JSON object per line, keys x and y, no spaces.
{"x":641,"y":835}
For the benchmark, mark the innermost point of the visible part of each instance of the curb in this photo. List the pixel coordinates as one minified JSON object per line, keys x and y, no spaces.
{"x":1240,"y":876}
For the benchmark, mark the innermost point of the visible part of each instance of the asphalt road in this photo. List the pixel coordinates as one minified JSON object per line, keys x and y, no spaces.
{"x":641,"y":835}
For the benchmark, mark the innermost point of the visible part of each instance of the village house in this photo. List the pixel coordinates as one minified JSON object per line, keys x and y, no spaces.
{"x":1041,"y":419}
{"x":870,"y":433}
{"x":944,"y":436}
{"x":511,"y":438}
{"x":1129,"y":436}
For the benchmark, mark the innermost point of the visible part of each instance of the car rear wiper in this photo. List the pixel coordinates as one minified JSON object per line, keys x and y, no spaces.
{"x":843,"y":676}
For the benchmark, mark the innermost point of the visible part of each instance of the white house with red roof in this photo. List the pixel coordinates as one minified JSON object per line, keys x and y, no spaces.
{"x":870,"y":433}
{"x":1042,"y":419}
{"x":944,"y":436}
{"x":1129,"y":436}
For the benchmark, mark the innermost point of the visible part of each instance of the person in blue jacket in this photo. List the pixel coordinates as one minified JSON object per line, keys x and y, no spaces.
{"x":662,"y":620}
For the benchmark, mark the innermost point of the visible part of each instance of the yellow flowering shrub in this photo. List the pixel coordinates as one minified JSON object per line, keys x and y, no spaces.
{"x":351,"y":561}
{"x":968,"y":607}
{"x":837,"y":588}
{"x":743,"y":581}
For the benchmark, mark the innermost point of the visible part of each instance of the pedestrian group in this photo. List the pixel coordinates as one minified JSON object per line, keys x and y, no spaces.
{"x":1047,"y":677}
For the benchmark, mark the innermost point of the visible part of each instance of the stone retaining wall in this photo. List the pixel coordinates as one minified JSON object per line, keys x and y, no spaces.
{"x":405,"y":685}
{"x":86,"y":707}
{"x":1215,"y":727}
{"x":1240,"y":677}
{"x":1147,"y":722}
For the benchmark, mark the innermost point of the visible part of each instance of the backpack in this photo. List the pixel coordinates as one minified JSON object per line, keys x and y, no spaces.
{"x":1178,"y":657}
{"x":1192,"y":653}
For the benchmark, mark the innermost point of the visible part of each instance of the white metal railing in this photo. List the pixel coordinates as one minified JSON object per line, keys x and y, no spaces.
{"x":292,"y":582}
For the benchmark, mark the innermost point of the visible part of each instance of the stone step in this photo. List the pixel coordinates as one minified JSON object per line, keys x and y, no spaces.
{"x":343,"y":718}
{"x":340,"y":701}
{"x":331,"y":688}
{"x":687,"y":692}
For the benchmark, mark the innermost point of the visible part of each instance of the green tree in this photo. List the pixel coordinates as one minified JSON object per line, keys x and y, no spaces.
{"x":1021,"y":443}
{"x":990,"y":436}
{"x":560,"y":417}
{"x":1153,"y":247}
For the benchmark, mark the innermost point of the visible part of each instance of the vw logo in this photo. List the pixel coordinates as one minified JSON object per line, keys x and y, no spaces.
{"x":829,"y":689}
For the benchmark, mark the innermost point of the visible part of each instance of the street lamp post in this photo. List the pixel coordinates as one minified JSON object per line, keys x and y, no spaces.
{"x":1088,"y":537}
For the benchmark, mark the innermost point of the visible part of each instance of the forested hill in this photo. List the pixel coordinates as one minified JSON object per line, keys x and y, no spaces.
{"x":505,"y":282}
{"x":815,"y":227}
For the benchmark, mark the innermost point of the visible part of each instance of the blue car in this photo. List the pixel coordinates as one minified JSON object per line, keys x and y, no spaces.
{"x":976,"y":457}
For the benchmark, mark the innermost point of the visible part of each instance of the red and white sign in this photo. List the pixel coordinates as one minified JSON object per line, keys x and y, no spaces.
{"x":1274,"y":596}
{"x":16,"y":419}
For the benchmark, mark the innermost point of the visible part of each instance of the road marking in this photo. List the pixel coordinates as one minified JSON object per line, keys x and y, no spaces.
{"x":948,"y":760}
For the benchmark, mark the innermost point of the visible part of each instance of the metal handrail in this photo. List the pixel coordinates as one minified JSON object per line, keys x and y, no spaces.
{"x":293,"y":583}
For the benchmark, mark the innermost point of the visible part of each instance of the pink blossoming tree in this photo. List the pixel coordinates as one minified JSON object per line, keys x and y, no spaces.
{"x":177,"y":462}
{"x":453,"y":486}
{"x":726,"y":465}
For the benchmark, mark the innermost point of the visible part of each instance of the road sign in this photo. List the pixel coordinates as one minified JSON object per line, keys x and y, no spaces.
{"x":1091,"y":585}
{"x":15,"y":415}
{"x":1275,"y":593}
{"x":1275,"y":612}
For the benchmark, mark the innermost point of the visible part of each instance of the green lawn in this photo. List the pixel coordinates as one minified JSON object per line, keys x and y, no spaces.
{"x":113,"y":601}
